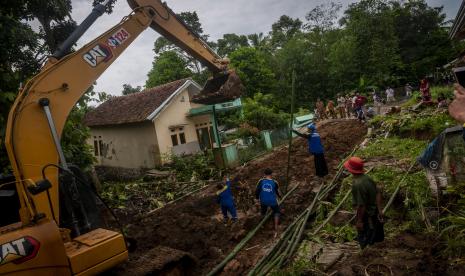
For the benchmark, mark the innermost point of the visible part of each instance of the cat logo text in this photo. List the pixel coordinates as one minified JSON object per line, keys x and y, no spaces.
{"x":100,"y":53}
{"x":18,"y":251}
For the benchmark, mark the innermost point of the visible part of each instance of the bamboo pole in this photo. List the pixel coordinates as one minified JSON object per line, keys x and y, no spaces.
{"x":391,"y":199}
{"x":275,"y":247}
{"x":249,"y":236}
{"x":291,"y":124}
{"x":309,"y":211}
{"x":274,"y":255}
{"x":292,"y":240}
{"x":346,"y":196}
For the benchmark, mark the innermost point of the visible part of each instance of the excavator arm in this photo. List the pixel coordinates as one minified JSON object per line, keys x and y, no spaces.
{"x":37,"y":118}
{"x":49,"y":96}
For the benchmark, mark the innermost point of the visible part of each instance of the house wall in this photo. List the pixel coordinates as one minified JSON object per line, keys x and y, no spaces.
{"x":169,"y":121}
{"x":128,"y":146}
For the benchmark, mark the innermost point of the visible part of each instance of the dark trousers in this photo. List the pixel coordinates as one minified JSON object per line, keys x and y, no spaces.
{"x":373,"y":231}
{"x":231,"y":209}
{"x":463,"y":134}
{"x":274,"y":208}
{"x":321,"y":169}
{"x":359,"y":113}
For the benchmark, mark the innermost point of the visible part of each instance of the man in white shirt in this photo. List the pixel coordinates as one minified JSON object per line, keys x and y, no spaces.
{"x":408,"y":90}
{"x":341,"y":104}
{"x":390,"y":95}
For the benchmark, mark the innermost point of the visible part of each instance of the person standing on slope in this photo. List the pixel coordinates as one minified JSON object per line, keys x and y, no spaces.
{"x":226,"y":200}
{"x":366,"y":199}
{"x":267,"y":192}
{"x":315,"y":147}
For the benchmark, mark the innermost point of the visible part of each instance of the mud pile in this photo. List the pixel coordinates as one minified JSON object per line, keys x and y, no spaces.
{"x":194,"y":224}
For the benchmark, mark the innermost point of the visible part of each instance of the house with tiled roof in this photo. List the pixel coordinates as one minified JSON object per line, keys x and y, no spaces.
{"x":142,"y":130}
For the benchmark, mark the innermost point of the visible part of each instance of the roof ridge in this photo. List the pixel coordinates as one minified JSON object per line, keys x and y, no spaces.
{"x":134,"y":107}
{"x":146,"y":90}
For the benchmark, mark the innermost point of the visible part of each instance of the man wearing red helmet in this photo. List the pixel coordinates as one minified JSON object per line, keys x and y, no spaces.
{"x":366,"y":198}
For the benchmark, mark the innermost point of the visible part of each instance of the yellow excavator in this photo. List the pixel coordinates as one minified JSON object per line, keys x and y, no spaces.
{"x":50,"y":221}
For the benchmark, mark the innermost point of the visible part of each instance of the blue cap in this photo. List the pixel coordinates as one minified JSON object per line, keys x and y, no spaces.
{"x":311,"y":126}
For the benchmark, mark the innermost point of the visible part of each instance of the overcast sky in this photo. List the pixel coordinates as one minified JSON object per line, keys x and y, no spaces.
{"x":217,"y":17}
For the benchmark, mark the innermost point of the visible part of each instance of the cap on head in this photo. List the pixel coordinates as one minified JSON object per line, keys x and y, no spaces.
{"x":311,"y":126}
{"x":268,"y":171}
{"x":354,"y":165}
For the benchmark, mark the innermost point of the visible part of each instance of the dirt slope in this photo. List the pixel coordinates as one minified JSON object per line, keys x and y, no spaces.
{"x":193,"y":225}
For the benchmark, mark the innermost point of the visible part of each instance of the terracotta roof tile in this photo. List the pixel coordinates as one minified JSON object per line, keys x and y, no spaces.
{"x":131,"y":108}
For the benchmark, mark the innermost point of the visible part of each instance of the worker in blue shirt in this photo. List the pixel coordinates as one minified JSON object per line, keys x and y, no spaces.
{"x":267,"y":192}
{"x":315,"y":147}
{"x":226,"y":200}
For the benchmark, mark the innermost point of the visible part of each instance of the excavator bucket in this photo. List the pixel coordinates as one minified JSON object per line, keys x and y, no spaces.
{"x":219,"y":89}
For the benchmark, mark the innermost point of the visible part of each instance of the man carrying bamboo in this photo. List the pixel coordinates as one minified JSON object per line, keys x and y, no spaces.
{"x":366,"y":199}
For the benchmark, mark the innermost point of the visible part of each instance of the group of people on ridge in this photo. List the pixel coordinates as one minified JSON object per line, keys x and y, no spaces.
{"x":348,"y":106}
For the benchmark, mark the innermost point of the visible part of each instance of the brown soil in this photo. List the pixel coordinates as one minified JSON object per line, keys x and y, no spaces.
{"x":404,"y":254}
{"x":193,"y":225}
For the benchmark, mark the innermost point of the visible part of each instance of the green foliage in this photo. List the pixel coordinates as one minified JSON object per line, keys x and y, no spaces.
{"x":231,"y":42}
{"x":426,"y":124}
{"x":128,"y":89}
{"x":74,"y":137}
{"x":259,"y":113}
{"x":394,"y":147}
{"x":167,"y":67}
{"x":142,"y":196}
{"x":453,"y":224}
{"x":424,"y":43}
{"x":447,"y":91}
{"x":371,"y":24}
{"x":302,"y":111}
{"x":198,"y":166}
{"x":253,"y":70}
{"x":189,"y":64}
{"x":23,"y":50}
{"x":284,"y":30}
{"x":297,"y":268}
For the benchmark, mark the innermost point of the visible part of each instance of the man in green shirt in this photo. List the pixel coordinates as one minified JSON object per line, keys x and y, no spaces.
{"x":366,"y":199}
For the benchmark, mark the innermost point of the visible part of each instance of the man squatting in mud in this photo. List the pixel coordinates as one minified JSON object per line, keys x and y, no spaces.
{"x":366,"y":198}
{"x":267,"y":192}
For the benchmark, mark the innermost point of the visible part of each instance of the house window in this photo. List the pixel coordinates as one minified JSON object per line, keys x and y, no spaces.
{"x":98,"y":146}
{"x":96,"y":153}
{"x":182,"y":99}
{"x":177,"y":136}
{"x":182,"y":138}
{"x":174,"y":139}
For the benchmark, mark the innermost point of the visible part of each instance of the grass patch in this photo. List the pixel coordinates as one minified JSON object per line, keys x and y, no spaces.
{"x":448,"y":92}
{"x":395,"y":147}
{"x":426,"y":124}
